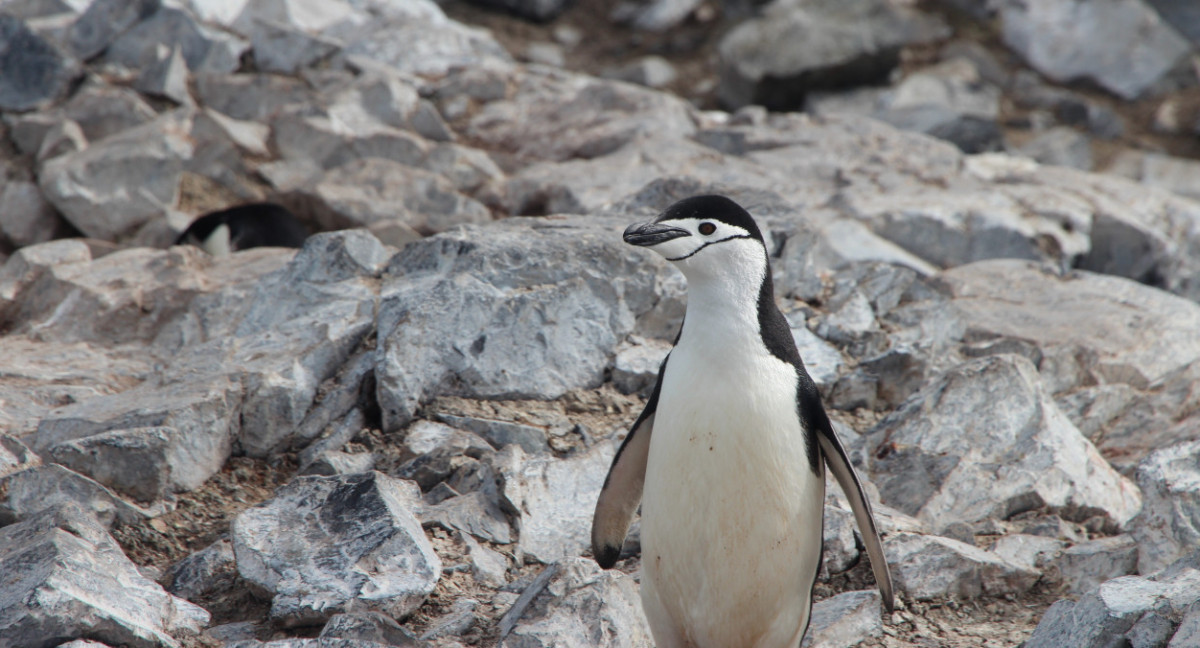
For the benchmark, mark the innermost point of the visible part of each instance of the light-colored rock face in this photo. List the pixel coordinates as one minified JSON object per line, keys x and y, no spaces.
{"x":482,"y":290}
{"x":1168,"y":527}
{"x":1121,"y":44}
{"x":70,"y":578}
{"x":1014,"y":451}
{"x":325,"y":545}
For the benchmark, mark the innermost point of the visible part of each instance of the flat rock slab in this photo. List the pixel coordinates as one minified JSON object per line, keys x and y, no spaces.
{"x":1121,"y":331}
{"x":348,"y":543}
{"x":927,"y":567}
{"x":582,"y":606}
{"x":191,"y":430}
{"x":795,"y":47}
{"x":845,"y":620}
{"x":1121,"y":44}
{"x":985,"y":440}
{"x":555,"y":498}
{"x":67,"y":578}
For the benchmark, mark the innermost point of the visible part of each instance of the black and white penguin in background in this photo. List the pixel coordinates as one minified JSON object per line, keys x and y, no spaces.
{"x":728,"y":458}
{"x":264,"y":224}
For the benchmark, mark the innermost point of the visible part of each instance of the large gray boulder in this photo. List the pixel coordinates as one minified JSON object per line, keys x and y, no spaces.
{"x":473,"y":312}
{"x":115,"y":186}
{"x":554,"y":498}
{"x":795,"y":47}
{"x":1123,"y":45}
{"x":986,"y":440}
{"x":325,"y":545}
{"x":67,"y":578}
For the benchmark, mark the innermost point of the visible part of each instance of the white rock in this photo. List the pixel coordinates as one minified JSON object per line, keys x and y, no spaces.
{"x":555,"y":498}
{"x":1028,"y":551}
{"x":1121,"y":44}
{"x":845,"y":620}
{"x":927,"y":567}
{"x":1022,"y":451}
{"x":635,"y":368}
{"x":324,"y":545}
{"x":1168,"y":527}
{"x":68,"y":578}
{"x":582,"y":607}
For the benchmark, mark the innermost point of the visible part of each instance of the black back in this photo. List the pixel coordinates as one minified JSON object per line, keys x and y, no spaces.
{"x":251,"y":225}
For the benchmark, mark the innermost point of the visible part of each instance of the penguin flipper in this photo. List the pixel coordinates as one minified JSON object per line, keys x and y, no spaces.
{"x":622,"y":491}
{"x":839,"y":464}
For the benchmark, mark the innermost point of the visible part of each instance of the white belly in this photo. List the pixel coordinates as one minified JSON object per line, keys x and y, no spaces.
{"x":731,"y":511}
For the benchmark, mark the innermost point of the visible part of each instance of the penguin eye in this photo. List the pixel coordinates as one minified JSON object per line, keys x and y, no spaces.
{"x":707,"y":228}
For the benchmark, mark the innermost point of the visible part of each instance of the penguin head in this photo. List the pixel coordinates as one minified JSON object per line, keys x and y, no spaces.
{"x":705,"y":236}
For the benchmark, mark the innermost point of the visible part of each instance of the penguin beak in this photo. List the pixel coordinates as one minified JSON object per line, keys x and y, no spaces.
{"x":647,"y":234}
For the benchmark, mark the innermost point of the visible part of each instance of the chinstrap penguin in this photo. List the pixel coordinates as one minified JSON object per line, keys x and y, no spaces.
{"x":223,"y":232}
{"x":728,"y":458}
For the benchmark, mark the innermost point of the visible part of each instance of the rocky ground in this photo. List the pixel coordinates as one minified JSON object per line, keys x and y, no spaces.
{"x":987,"y":249}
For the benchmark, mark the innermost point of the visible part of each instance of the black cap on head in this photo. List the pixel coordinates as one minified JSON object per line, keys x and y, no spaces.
{"x":712,"y":207}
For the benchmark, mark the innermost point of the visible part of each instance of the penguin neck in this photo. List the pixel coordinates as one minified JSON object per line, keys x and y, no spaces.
{"x":723,"y":308}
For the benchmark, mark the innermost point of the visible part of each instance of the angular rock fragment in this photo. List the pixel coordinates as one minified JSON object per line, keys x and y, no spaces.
{"x":191,"y":436}
{"x":794,"y":47}
{"x":325,"y":545}
{"x":15,"y":456}
{"x":1029,"y":551}
{"x":363,"y":192}
{"x":104,"y":21}
{"x":554,"y":498}
{"x":1023,"y":452}
{"x":30,"y":491}
{"x":582,"y":606}
{"x":635,"y":368}
{"x":35,"y":71}
{"x":211,"y":570}
{"x":135,"y":462}
{"x":26,"y":218}
{"x":115,"y":186}
{"x":489,"y":568}
{"x":1121,"y":44}
{"x":1086,"y":565}
{"x":205,"y":49}
{"x":66,"y":577}
{"x":475,"y":513}
{"x":416,"y":38}
{"x":1168,"y":526}
{"x":927,"y":567}
{"x":487,"y":292}
{"x":102,"y":110}
{"x":844,"y":620}
{"x":369,"y":627}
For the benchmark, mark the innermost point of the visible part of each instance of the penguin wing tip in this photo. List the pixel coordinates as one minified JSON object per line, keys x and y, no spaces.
{"x":606,"y":555}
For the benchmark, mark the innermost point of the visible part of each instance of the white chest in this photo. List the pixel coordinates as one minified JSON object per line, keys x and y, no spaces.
{"x":731,"y":516}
